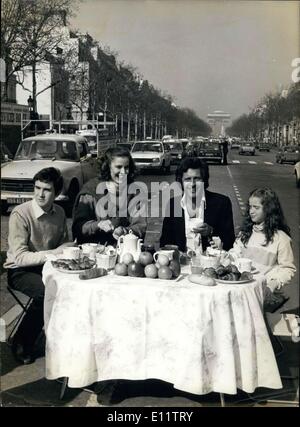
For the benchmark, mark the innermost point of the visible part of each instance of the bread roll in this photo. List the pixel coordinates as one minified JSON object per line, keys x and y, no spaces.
{"x":201,"y":280}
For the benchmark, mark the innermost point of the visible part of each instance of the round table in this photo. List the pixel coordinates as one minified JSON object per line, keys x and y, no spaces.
{"x":201,"y":339}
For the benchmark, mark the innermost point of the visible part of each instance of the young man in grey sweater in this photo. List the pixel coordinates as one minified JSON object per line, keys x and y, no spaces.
{"x":36,"y":228}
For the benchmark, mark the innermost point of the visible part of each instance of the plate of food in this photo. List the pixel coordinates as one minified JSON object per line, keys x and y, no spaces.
{"x":233,"y":282}
{"x":228,"y":275}
{"x":73,"y":266}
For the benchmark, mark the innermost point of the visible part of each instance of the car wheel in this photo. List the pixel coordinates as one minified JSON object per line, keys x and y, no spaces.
{"x":72,"y":193}
{"x":4,"y":207}
{"x":280,"y":161}
{"x":297,"y":181}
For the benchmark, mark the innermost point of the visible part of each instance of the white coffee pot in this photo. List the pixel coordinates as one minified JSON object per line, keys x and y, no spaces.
{"x":129,"y":244}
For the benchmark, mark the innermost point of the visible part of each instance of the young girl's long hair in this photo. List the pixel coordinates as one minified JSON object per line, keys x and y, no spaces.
{"x":274,"y":218}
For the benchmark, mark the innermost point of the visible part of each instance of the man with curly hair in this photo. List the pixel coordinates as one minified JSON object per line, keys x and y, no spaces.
{"x":192,"y":221}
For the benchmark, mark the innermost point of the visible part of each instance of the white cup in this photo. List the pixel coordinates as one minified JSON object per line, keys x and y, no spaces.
{"x":168,"y":253}
{"x":106,"y":261}
{"x":244,"y":264}
{"x":72,"y":252}
{"x":89,"y":249}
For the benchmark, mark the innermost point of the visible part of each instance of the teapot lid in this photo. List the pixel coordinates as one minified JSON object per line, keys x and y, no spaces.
{"x":130,"y":236}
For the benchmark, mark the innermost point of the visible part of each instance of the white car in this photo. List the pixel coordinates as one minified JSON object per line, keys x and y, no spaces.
{"x":151,"y":155}
{"x":297,"y":174}
{"x":68,"y":153}
{"x":247,"y":148}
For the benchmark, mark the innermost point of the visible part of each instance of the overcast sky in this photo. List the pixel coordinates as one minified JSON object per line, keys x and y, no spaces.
{"x":208,"y":55}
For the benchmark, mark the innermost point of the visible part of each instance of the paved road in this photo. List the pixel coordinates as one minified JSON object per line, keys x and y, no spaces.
{"x":27,"y":386}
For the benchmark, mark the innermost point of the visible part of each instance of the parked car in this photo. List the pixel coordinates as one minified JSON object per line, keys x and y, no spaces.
{"x":68,"y":153}
{"x":247,"y":148}
{"x":288,"y":154}
{"x":91,"y":137}
{"x":126,"y":145}
{"x":297,"y":174}
{"x":210,"y":151}
{"x":192,"y":149}
{"x":235,"y":144}
{"x":151,"y":155}
{"x":264,"y":146}
{"x":166,"y":137}
{"x":5,"y":154}
{"x":176,"y":150}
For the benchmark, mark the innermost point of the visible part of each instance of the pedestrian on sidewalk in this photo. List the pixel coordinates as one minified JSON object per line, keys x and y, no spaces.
{"x":36,"y":229}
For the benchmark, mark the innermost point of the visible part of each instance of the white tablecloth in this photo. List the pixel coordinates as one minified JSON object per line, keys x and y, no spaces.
{"x":201,"y":339}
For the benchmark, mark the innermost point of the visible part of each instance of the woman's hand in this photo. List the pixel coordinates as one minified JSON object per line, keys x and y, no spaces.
{"x":119,"y":231}
{"x":106,"y":225}
{"x":204,"y":229}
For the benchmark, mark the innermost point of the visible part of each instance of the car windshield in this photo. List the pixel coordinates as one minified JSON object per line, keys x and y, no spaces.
{"x":210,"y":146}
{"x":248,"y":144}
{"x":141,"y":146}
{"x":47,"y":149}
{"x":174,"y":146}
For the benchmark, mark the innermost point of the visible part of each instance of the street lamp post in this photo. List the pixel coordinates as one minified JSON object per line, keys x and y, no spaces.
{"x":30,"y":103}
{"x":32,"y":113}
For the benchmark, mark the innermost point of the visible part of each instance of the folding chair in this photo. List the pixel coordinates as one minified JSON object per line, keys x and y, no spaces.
{"x":24,"y":307}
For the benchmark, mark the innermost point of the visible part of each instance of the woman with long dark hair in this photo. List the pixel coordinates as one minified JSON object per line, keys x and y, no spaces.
{"x":101,"y":212}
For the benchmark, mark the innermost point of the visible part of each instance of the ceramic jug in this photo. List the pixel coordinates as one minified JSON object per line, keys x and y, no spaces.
{"x":129,"y":244}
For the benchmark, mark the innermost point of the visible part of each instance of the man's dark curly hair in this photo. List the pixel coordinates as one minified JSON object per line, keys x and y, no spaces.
{"x":274,"y":218}
{"x":49,"y":175}
{"x":106,"y":160}
{"x":193,"y":163}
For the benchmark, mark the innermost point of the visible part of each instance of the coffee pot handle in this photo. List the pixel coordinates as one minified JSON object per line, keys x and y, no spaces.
{"x":120,"y":241}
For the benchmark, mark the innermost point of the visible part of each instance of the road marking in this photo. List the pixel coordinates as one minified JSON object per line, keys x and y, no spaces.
{"x":251,"y":162}
{"x":236,"y":161}
{"x":229,"y":172}
{"x":236,"y":190}
{"x":268,"y":163}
